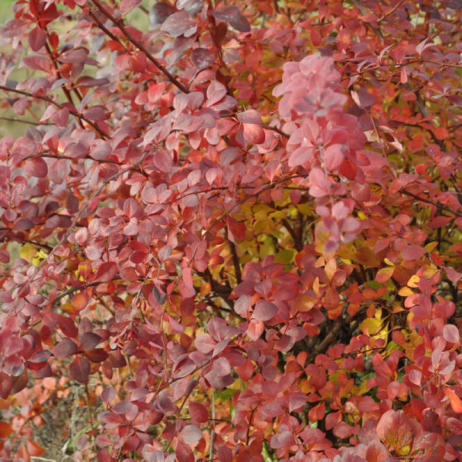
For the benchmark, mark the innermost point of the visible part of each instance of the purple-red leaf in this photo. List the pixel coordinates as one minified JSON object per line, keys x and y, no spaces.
{"x":36,"y":166}
{"x":128,"y":5}
{"x":451,"y":333}
{"x":89,"y":340}
{"x":198,"y":412}
{"x":264,"y":311}
{"x":202,"y":57}
{"x":183,"y":452}
{"x":64,"y":348}
{"x":180,"y":23}
{"x":234,"y":17}
{"x":80,"y":369}
{"x":37,"y":38}
{"x":191,"y":434}
{"x":159,"y":12}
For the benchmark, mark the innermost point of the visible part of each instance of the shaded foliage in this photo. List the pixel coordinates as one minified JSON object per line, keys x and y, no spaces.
{"x":239,"y":230}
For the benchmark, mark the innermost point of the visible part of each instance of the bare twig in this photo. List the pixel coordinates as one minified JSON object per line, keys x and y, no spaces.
{"x":72,"y":110}
{"x":427,"y":201}
{"x":75,"y":289}
{"x":140,"y":46}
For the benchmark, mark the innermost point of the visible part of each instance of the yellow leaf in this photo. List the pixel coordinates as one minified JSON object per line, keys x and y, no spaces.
{"x":413,"y":281}
{"x":430,"y":246}
{"x":305,"y":209}
{"x":371,"y":326}
{"x":285,"y":256}
{"x":28,"y":252}
{"x":330,"y":268}
{"x":388,"y":262}
{"x":430,"y":271}
{"x":347,"y":252}
{"x":39,"y":256}
{"x":405,"y":292}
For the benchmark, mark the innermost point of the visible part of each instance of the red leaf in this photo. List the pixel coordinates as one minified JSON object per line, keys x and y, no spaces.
{"x":38,"y":63}
{"x":204,"y":343}
{"x":95,"y":113}
{"x":65,"y":348}
{"x":412,"y":252}
{"x":395,"y":431}
{"x":216,"y":91}
{"x":234,"y":17}
{"x":5,"y":429}
{"x":320,"y":183}
{"x":106,"y":272}
{"x":159,"y":12}
{"x":198,"y":412}
{"x":178,"y":24}
{"x":415,"y":377}
{"x":89,"y":340}
{"x":242,"y":305}
{"x":384,"y":274}
{"x":163,"y":161}
{"x":80,"y":369}
{"x":250,"y":117}
{"x":454,"y":425}
{"x":283,"y":439}
{"x":37,"y":38}
{"x":128,"y":5}
{"x":264,"y":311}
{"x":301,"y":156}
{"x":34,"y":449}
{"x":255,"y":329}
{"x":67,"y":326}
{"x":451,"y":333}
{"x":333,"y":157}
{"x":202,"y":57}
{"x":36,"y":166}
{"x":343,"y":430}
{"x":221,"y":367}
{"x":183,"y":452}
{"x":108,"y":395}
{"x":191,"y":434}
{"x":253,"y":134}
{"x":441,"y":133}
{"x":97,"y":355}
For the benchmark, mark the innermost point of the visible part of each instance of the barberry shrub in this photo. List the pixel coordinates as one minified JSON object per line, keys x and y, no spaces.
{"x":237,"y":224}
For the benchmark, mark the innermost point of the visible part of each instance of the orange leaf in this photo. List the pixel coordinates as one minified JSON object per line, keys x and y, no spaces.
{"x":455,"y":401}
{"x":441,"y":133}
{"x":34,"y":449}
{"x":384,"y":274}
{"x":5,"y":429}
{"x":79,"y":301}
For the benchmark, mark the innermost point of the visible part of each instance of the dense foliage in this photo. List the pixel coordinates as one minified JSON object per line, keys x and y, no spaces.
{"x":238,"y":227}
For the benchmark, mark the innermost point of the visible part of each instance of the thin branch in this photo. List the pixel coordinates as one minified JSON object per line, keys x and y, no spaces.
{"x":58,"y":73}
{"x":82,"y":211}
{"x":292,"y":232}
{"x":212,"y":433}
{"x":75,"y":289}
{"x":54,"y":103}
{"x":391,"y":11}
{"x":427,"y":201}
{"x":107,"y":31}
{"x":22,"y":121}
{"x":236,"y":264}
{"x":140,"y":46}
{"x":54,"y":156}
